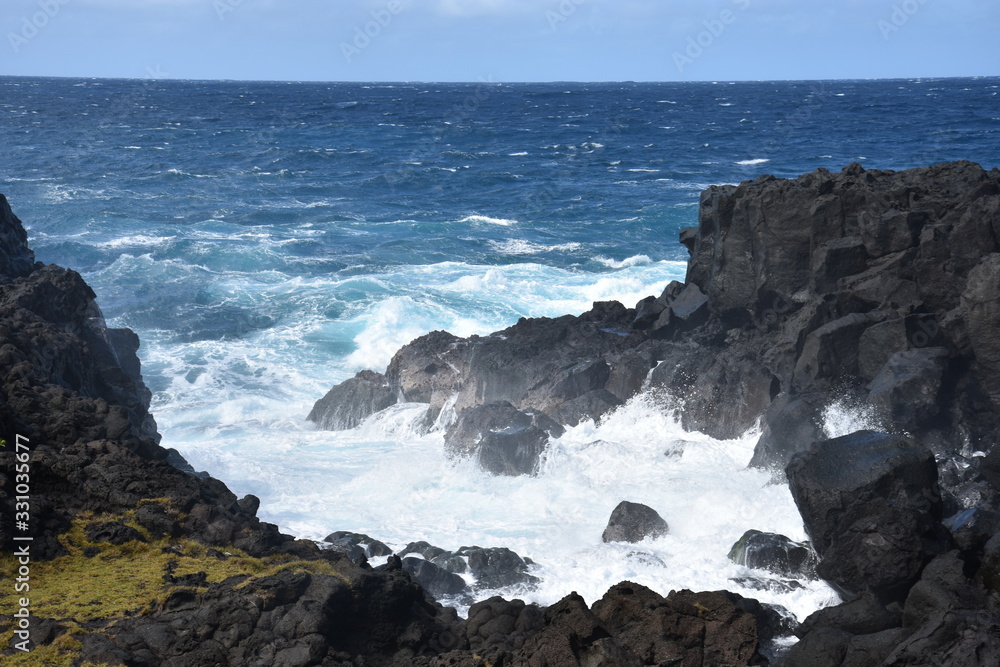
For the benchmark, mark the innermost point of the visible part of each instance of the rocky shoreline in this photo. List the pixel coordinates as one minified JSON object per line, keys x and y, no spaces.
{"x":875,"y":290}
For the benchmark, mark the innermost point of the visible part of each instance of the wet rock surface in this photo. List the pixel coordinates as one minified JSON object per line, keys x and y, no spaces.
{"x":634,"y":522}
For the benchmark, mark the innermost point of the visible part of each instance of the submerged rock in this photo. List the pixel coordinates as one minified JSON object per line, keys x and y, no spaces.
{"x":775,"y":553}
{"x":633,"y":522}
{"x":505,"y":440}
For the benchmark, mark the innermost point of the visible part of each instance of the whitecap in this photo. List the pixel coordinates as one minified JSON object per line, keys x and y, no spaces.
{"x":634,"y":260}
{"x":522,"y":247}
{"x":485,"y":219}
{"x":755,"y":161}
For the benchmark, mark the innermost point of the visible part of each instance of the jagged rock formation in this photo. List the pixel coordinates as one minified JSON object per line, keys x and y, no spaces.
{"x":877,"y":288}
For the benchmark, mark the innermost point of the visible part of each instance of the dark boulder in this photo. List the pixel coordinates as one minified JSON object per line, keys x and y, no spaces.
{"x":249,"y":504}
{"x":497,"y":567}
{"x":831,"y":351}
{"x":775,"y":553}
{"x":879,"y":343}
{"x":429,"y":369}
{"x":712,"y":628}
{"x":871,"y":506}
{"x":837,"y":259}
{"x":505,"y":440}
{"x":689,"y":307}
{"x":157,"y":520}
{"x":633,"y":522}
{"x":355,"y":545}
{"x":647,"y":312}
{"x":350,"y":402}
{"x":592,"y":405}
{"x":860,"y":616}
{"x":825,"y":647}
{"x":948,"y":619}
{"x":436,"y":580}
{"x":892,"y":231}
{"x":497,"y":622}
{"x":872,"y":650}
{"x":573,"y":636}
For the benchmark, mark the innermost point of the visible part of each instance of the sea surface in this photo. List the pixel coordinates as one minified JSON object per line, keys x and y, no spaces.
{"x":268,"y":240}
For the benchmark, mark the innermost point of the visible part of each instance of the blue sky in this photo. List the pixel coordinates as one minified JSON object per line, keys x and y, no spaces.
{"x":500,"y":40}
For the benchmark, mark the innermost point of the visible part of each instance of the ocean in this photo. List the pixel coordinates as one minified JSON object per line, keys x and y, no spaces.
{"x":267,"y":240}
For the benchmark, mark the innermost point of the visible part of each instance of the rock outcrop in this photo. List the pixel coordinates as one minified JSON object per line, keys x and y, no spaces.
{"x":877,"y":288}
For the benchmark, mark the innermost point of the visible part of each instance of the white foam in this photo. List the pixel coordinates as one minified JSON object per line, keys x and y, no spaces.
{"x":135,"y":241}
{"x":522,"y":247}
{"x":485,"y":219}
{"x":843,"y":418}
{"x":634,"y":260}
{"x":755,"y":161}
{"x":314,"y":482}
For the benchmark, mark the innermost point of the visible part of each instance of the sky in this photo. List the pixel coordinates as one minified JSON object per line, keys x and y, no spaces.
{"x":500,"y":40}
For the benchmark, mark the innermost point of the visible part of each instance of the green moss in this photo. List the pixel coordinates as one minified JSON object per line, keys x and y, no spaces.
{"x":119,"y":581}
{"x":60,"y":653}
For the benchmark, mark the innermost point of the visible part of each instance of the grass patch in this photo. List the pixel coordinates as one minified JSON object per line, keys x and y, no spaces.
{"x":101,"y":583}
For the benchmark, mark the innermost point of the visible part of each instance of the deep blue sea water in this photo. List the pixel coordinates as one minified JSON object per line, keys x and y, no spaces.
{"x":268,"y":240}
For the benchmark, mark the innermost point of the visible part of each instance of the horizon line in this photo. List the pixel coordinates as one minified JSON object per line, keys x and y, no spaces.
{"x":488,"y":82}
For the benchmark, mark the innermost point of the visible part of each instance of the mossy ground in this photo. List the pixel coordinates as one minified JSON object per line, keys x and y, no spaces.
{"x":97,"y":584}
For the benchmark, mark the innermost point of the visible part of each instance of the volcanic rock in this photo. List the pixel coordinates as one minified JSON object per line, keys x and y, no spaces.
{"x":633,"y":522}
{"x":871,"y":506}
